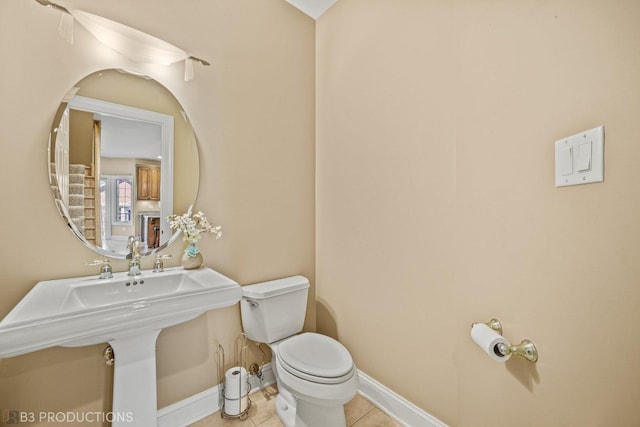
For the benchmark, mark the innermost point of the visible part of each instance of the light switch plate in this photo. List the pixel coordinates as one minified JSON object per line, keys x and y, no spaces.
{"x":580,"y":158}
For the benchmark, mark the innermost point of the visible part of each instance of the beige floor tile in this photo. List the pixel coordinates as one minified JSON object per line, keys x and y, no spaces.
{"x":272,"y":422}
{"x":262,"y":411}
{"x":359,"y":413}
{"x":356,"y":409}
{"x":376,"y":418}
{"x":215,"y":420}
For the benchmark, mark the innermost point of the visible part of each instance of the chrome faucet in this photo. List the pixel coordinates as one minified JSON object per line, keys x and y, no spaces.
{"x":133,"y":245}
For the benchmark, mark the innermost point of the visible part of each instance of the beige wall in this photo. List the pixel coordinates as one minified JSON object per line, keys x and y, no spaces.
{"x":436,"y":204}
{"x":253,"y":113}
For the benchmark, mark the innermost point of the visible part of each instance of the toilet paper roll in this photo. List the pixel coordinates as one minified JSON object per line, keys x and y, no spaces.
{"x":488,"y":339}
{"x":236,"y":406}
{"x":235,"y":383}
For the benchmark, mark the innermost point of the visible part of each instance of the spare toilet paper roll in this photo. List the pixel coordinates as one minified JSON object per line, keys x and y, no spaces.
{"x":236,"y":406}
{"x":235,"y":383}
{"x":488,"y":339}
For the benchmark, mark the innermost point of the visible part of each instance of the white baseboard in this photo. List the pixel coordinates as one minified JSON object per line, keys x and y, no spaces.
{"x":191,"y":409}
{"x":203,"y":404}
{"x":394,"y":405}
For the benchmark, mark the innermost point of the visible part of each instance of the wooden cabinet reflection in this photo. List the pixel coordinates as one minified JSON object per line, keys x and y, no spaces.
{"x":148,"y":182}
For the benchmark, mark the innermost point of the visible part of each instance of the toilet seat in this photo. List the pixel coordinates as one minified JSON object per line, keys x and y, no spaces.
{"x":316,"y":358}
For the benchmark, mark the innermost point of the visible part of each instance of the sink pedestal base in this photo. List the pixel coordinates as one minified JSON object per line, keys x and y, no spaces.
{"x":135,"y":401}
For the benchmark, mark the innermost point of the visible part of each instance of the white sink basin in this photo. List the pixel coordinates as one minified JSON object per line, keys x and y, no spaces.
{"x":87,"y":310}
{"x":126,"y":312}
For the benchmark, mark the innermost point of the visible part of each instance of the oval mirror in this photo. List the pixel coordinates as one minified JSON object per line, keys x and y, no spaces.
{"x":122,"y":157}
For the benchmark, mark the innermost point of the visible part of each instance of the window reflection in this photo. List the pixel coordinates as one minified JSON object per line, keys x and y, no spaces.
{"x":124,"y":191}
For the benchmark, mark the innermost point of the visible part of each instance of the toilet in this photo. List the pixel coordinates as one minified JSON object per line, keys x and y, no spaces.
{"x":315,"y":374}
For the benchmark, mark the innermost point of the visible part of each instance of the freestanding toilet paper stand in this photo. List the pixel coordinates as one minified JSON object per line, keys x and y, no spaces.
{"x":234,"y":382}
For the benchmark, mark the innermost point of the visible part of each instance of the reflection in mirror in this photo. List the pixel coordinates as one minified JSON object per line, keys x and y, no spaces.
{"x":123,"y":157}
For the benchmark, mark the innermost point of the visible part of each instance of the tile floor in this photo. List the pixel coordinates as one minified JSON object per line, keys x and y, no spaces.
{"x":359,"y":412}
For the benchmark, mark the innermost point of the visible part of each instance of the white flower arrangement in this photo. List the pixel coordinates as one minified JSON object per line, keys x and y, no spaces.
{"x":192,"y":226}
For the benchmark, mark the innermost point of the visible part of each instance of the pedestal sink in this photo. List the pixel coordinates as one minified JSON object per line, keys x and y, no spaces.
{"x":128,"y":313}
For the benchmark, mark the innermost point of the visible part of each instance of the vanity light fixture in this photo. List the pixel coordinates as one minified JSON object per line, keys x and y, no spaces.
{"x":129,"y":42}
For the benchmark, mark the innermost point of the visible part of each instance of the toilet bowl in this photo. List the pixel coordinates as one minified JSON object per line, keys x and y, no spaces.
{"x":315,"y":374}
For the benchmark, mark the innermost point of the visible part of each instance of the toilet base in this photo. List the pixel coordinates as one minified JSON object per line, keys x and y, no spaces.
{"x":310,"y":415}
{"x":300,"y":413}
{"x":286,"y":408}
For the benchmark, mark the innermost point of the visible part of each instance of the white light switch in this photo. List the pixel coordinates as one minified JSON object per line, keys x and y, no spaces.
{"x":584,"y":157}
{"x":580,"y":158}
{"x":566,"y":161}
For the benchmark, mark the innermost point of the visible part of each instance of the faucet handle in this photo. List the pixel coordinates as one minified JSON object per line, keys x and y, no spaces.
{"x":105,"y":271}
{"x":158,"y":266}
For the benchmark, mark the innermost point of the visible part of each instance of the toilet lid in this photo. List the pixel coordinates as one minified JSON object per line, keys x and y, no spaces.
{"x":316,"y":356}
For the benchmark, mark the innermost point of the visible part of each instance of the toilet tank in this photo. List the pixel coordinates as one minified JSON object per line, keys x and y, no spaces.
{"x":274,"y":310}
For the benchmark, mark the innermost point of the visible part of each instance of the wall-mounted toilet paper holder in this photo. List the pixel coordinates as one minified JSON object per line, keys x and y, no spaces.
{"x":526,"y":348}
